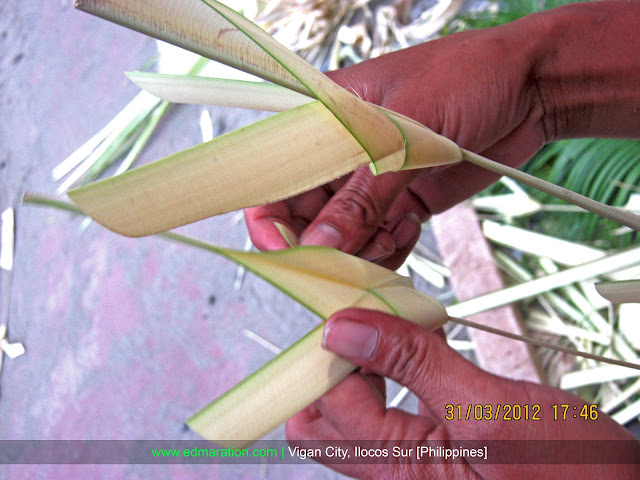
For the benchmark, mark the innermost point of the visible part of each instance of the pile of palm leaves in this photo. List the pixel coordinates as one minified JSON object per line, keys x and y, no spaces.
{"x":606,"y":170}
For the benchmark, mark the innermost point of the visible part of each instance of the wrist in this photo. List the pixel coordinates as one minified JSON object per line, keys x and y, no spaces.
{"x":586,"y":69}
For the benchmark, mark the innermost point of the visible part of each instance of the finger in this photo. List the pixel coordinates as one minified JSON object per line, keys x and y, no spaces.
{"x":309,"y":424}
{"x":342,"y":407}
{"x":356,"y":211}
{"x":417,"y":358}
{"x":308,"y":429}
{"x":339,"y":405}
{"x":379,"y":248}
{"x":405,"y":235}
{"x":311,"y":429}
{"x":356,"y":410}
{"x":295,"y":213}
{"x":312,"y":416}
{"x":407,"y":202}
{"x":376,"y":380}
{"x":261,"y":225}
{"x":392,"y":243}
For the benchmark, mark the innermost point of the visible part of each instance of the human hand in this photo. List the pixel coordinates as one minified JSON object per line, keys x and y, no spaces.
{"x":421,"y":360}
{"x":501,"y":92}
{"x":473,"y":88}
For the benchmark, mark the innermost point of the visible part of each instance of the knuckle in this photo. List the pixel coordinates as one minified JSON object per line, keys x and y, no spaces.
{"x":357,"y":203}
{"x":410,"y":361}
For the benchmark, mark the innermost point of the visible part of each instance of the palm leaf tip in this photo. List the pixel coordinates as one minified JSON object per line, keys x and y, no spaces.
{"x":247,"y":167}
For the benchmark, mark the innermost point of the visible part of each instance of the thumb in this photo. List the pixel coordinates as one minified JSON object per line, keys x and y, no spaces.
{"x":414,"y":357}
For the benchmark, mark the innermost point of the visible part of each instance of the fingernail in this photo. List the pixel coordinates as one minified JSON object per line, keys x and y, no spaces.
{"x":350,"y":339}
{"x":324,"y":235}
{"x":406,"y":230}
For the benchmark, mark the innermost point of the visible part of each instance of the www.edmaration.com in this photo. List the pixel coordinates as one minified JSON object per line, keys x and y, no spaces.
{"x":328,"y":452}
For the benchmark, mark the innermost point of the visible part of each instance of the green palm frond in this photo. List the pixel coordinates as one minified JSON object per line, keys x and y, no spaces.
{"x":603,"y":169}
